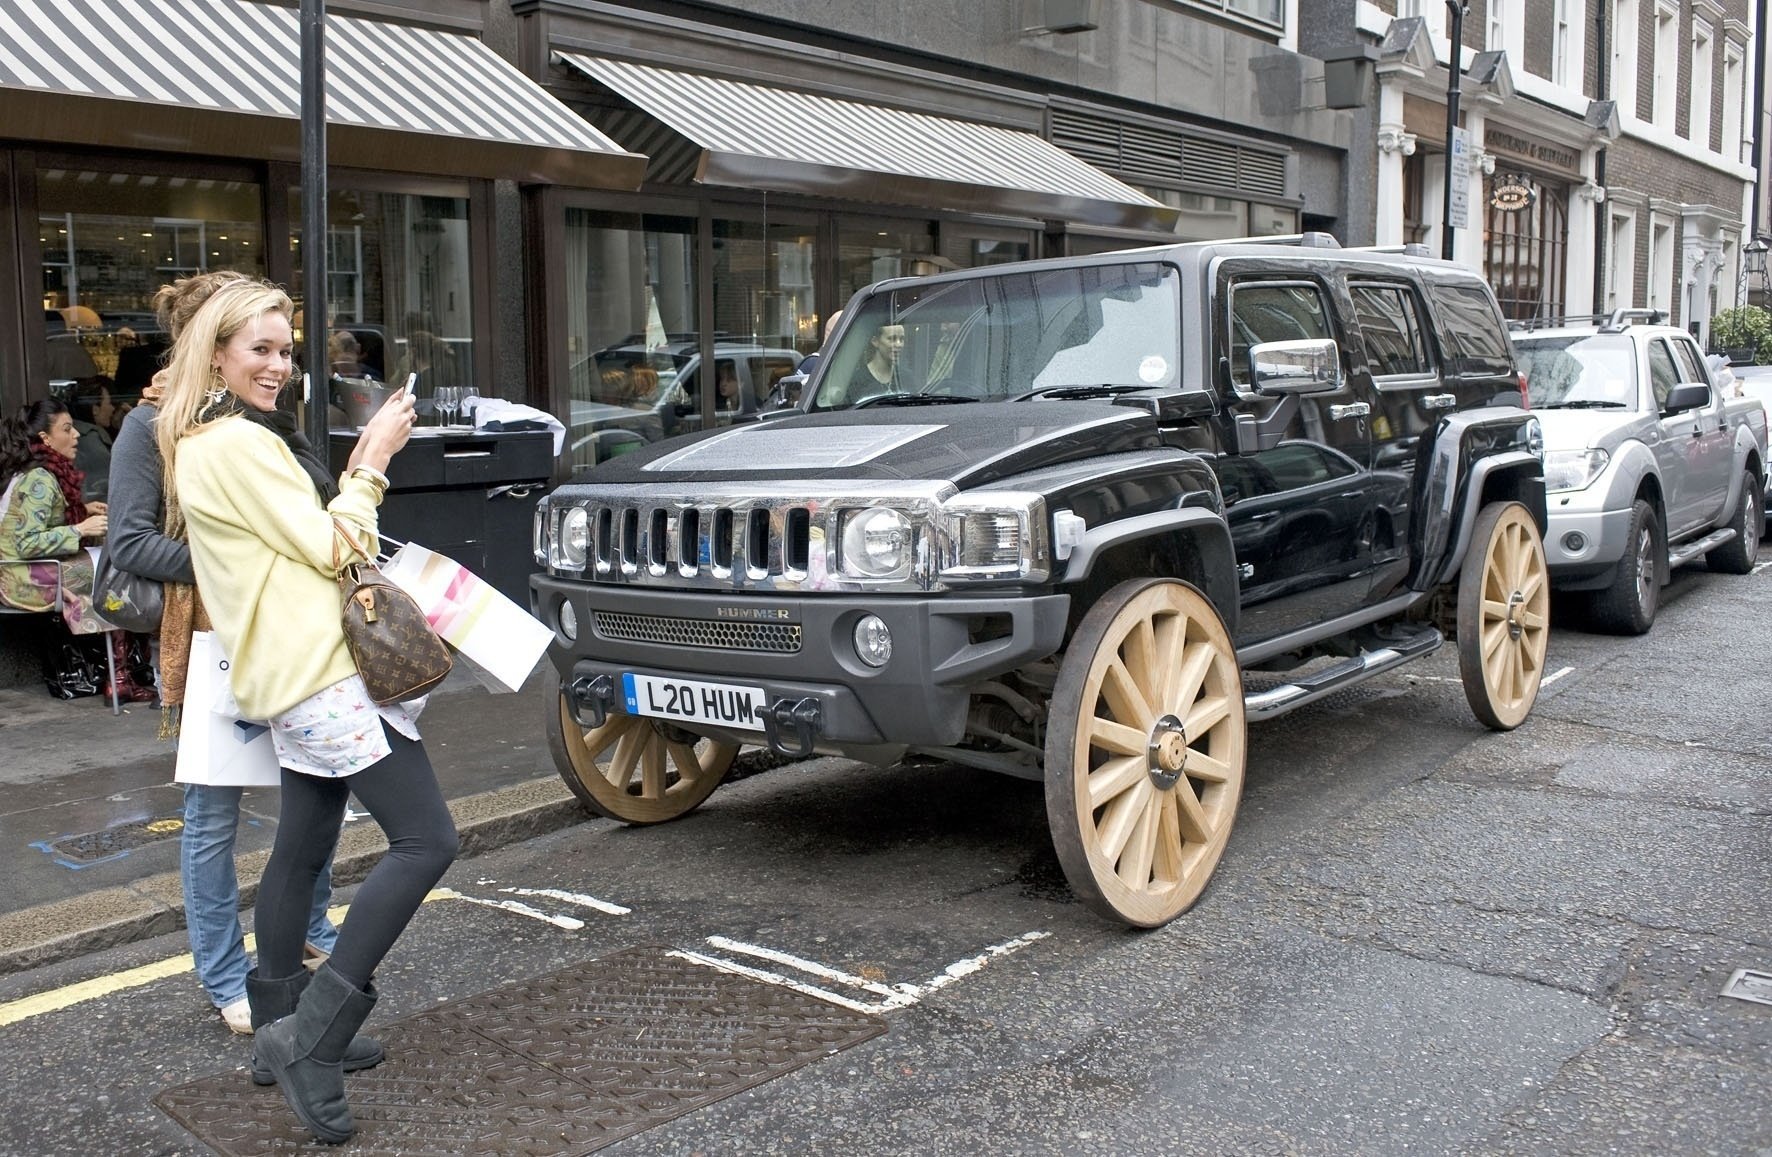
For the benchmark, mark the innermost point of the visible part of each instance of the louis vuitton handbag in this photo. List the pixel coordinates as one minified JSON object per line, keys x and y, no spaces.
{"x":398,"y":654}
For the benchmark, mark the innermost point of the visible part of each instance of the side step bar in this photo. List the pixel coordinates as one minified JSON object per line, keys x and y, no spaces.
{"x":1691,"y":550}
{"x":1316,"y":685}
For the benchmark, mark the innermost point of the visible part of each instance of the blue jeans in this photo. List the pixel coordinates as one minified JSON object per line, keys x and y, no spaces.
{"x":212,"y":893}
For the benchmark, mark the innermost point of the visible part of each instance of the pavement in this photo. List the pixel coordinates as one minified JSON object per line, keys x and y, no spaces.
{"x":89,"y":826}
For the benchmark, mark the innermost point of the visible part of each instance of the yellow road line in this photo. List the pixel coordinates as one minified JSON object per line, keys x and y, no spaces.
{"x":59,"y":998}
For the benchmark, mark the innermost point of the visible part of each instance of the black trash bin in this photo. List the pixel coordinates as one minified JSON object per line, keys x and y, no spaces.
{"x":469,"y":494}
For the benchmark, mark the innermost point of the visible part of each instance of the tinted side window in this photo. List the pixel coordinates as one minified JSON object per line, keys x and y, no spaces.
{"x":1390,"y":325}
{"x":1474,"y":327}
{"x":1270,"y":312}
{"x":1664,"y":375}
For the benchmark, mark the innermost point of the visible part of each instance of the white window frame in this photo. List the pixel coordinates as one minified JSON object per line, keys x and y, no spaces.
{"x":1661,"y":264}
{"x":1495,"y":37}
{"x":1223,"y":7}
{"x":1664,"y":96}
{"x":1625,"y":25}
{"x":1704,"y":67}
{"x":1560,"y":43}
{"x":1734,"y":89}
{"x":1621,"y":260}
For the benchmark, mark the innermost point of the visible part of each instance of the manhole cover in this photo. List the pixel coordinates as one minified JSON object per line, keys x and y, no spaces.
{"x":78,"y":851}
{"x":561,"y":1064}
{"x":1747,"y":984}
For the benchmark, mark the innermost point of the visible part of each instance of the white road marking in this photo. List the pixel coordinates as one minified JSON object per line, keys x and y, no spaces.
{"x":1554,"y":676}
{"x":1761,"y":567}
{"x":578,"y":898}
{"x":894,"y":996}
{"x":570,"y":923}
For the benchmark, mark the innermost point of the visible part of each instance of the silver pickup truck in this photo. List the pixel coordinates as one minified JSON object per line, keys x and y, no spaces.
{"x":1647,"y":467}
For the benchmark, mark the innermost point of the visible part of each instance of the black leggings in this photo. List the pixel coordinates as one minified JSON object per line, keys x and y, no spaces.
{"x":401,"y":792}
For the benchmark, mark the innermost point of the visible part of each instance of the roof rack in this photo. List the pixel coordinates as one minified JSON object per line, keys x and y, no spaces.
{"x":1311,"y":240}
{"x":1411,"y":249}
{"x":1615,"y":322}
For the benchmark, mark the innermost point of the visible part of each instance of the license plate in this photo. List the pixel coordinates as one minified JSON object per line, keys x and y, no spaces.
{"x":694,"y":702}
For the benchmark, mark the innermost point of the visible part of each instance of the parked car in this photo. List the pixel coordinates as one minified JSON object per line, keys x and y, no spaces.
{"x":1756,"y":382}
{"x":630,"y":395}
{"x":1646,"y":464}
{"x":1040,"y":519}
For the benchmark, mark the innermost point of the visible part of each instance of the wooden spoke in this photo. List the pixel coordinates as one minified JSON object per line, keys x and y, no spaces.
{"x":633,"y":769}
{"x":1503,"y":615}
{"x":1139,"y":838}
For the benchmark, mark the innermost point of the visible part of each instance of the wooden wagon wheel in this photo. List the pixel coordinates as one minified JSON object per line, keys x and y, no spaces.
{"x":633,"y":769}
{"x":1145,"y":751}
{"x":1503,"y":616}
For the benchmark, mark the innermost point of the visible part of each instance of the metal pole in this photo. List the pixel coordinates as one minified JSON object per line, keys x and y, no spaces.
{"x":315,"y":359}
{"x":1455,"y":68}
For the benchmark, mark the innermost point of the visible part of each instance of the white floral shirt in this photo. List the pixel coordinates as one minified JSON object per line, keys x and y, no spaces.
{"x":337,"y":731}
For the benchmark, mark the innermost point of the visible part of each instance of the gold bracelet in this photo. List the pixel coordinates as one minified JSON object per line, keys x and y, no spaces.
{"x":376,"y":479}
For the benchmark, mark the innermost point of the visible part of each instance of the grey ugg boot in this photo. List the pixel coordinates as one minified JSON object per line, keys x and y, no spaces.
{"x":304,"y":1052}
{"x":275,"y":999}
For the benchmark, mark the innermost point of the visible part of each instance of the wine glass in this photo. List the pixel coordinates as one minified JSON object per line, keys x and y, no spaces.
{"x":468,"y":398}
{"x":447,"y":398}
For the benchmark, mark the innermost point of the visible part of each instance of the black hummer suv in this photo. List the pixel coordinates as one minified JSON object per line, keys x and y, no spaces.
{"x":1041,"y":518}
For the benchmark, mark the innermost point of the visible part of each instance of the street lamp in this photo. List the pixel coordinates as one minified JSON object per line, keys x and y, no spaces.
{"x":1753,"y":265}
{"x":1455,"y":69}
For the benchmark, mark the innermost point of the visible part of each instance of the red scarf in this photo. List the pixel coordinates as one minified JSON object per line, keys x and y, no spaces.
{"x":71,"y":479}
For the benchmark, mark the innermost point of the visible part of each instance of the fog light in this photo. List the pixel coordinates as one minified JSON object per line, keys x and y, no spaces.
{"x":873,"y":641}
{"x":1574,"y":542}
{"x":568,"y":620}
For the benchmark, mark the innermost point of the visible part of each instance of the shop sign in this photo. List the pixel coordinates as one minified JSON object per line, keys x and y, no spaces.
{"x":1512,"y":193}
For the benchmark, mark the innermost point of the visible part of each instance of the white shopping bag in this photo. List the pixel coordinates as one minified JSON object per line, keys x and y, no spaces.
{"x":502,"y":641}
{"x":215,"y":746}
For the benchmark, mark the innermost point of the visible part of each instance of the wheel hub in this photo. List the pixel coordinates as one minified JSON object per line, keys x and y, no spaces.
{"x":1168,"y":750}
{"x":1515,"y":628}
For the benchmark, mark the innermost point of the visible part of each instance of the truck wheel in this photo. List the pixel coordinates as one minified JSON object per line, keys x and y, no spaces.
{"x":632,"y":769}
{"x":1144,"y":754}
{"x":1627,"y":607}
{"x":1503,"y":616}
{"x":1738,"y":555}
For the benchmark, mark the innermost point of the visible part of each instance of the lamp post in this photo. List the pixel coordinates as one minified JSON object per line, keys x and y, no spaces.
{"x":1753,"y":265}
{"x":315,"y":360}
{"x":1455,"y":69}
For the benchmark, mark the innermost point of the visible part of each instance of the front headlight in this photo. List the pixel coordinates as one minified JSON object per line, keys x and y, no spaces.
{"x":875,"y":543}
{"x":1566,"y":470}
{"x":996,"y":536}
{"x":570,"y":545}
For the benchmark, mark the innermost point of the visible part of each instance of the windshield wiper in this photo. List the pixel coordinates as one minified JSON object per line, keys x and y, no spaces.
{"x":1104,"y":390}
{"x":1581,"y":404}
{"x":901,"y":398}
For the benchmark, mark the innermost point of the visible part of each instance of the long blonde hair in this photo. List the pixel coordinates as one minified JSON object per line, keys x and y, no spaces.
{"x":190,"y":374}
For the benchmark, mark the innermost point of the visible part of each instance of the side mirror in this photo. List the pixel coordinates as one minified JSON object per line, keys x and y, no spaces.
{"x":1686,"y":396}
{"x":1310,"y":366}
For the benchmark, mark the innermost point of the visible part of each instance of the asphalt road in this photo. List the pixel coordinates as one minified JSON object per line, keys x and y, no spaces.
{"x":1425,"y":938}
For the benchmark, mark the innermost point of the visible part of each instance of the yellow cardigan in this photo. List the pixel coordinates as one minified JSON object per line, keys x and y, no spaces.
{"x":261,"y":545}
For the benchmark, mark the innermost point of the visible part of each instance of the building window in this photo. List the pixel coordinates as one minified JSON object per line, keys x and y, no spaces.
{"x":1560,"y":43}
{"x":1732,"y":94}
{"x":1703,"y":64}
{"x":1661,"y":265}
{"x":1528,"y":249}
{"x":110,"y":239}
{"x":1623,"y":71}
{"x":1496,"y":38}
{"x":1666,"y":80}
{"x":1271,"y":12}
{"x":1621,"y":261}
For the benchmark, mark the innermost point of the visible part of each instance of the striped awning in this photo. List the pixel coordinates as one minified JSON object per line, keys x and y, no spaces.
{"x":728,"y":132}
{"x":224,"y":77}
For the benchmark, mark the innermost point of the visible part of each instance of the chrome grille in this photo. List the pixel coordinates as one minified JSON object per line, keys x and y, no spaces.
{"x":780,"y":638}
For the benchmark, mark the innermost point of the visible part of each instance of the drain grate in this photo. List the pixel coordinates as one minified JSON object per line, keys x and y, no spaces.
{"x":562,"y":1064}
{"x":1747,"y":984}
{"x":114,"y":841}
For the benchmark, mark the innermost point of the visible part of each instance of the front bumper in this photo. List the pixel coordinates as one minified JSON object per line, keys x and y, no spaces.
{"x":821,"y":695}
{"x":1582,"y":538}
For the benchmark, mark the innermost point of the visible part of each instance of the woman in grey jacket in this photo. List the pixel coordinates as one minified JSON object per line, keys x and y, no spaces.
{"x":212,"y":814}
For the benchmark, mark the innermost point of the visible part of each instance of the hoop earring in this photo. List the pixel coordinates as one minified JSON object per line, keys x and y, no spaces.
{"x":217,"y":391}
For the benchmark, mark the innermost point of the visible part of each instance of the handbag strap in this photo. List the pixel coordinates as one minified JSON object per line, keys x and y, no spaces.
{"x":339,"y":566}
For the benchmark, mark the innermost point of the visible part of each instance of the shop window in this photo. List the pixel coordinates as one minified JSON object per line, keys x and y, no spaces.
{"x":765,"y":310}
{"x":1390,"y":325}
{"x":869,"y":253}
{"x":633,"y":342}
{"x":108,"y":241}
{"x":1661,"y":265}
{"x":400,"y":297}
{"x":1621,"y":262}
{"x":1527,"y":247}
{"x":969,"y":247}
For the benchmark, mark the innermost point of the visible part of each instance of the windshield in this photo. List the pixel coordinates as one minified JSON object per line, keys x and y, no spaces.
{"x":1582,"y":371}
{"x":992,"y":338}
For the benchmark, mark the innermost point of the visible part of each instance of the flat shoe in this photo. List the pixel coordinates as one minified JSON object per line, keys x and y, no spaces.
{"x":237,"y":1016}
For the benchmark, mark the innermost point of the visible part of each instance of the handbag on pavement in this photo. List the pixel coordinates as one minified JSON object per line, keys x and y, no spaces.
{"x":398,"y":654}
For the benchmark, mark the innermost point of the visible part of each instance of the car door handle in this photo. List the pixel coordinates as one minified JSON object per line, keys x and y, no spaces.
{"x":1439,"y":401}
{"x":1268,"y":517}
{"x":1351,"y":410}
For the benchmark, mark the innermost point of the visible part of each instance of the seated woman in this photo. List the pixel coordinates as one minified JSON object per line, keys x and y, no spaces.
{"x":45,"y":523}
